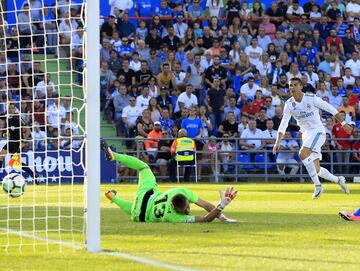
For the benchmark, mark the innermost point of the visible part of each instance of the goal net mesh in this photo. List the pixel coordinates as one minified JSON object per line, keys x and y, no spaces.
{"x":41,"y":84}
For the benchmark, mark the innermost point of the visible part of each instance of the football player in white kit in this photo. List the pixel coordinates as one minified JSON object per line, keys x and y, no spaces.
{"x":305,"y":108}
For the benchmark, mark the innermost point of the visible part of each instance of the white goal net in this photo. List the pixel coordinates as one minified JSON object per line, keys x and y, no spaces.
{"x":43,"y":106}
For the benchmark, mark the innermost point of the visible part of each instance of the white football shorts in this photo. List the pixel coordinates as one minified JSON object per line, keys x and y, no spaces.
{"x":314,"y":141}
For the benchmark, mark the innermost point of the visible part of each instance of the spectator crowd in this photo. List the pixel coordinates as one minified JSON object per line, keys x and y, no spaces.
{"x":222,"y":70}
{"x":30,"y":49}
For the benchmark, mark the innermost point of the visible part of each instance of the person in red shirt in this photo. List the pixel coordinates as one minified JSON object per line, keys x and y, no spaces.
{"x":333,"y":38}
{"x":259,"y":100}
{"x":342,"y":156}
{"x":249,"y":109}
{"x":353,"y":99}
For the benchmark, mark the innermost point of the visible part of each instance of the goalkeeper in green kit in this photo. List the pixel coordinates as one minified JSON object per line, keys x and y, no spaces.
{"x":150,"y":205}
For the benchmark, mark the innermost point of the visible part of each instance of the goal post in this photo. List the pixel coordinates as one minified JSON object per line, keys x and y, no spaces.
{"x":92,"y":82}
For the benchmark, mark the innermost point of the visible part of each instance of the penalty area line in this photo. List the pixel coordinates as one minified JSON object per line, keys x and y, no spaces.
{"x":125,"y":256}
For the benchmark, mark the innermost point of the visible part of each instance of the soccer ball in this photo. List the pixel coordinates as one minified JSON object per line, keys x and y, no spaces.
{"x":14,"y":185}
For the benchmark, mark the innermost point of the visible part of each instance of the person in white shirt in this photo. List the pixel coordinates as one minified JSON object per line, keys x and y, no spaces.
{"x":334,"y":98}
{"x":135,"y":63}
{"x":254,"y":52}
{"x":186,"y":99}
{"x":305,"y":108}
{"x":264,"y":40}
{"x":43,"y":85}
{"x":248,"y":90}
{"x":294,"y":10}
{"x":285,"y":157}
{"x":269,"y":135}
{"x":37,"y":134}
{"x":348,"y":79}
{"x":251,"y":137}
{"x":142,"y":101}
{"x":180,"y":27}
{"x":293,"y":72}
{"x":352,"y":10}
{"x":214,"y":8}
{"x":121,"y":5}
{"x":312,"y":76}
{"x":129,"y":116}
{"x":55,"y":113}
{"x":354,"y":64}
{"x":207,"y":61}
{"x":243,"y":124}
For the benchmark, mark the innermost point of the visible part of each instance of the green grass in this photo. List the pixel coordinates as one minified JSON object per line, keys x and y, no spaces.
{"x":281,"y":228}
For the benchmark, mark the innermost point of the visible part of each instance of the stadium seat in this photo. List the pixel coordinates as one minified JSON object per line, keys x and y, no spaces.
{"x":260,"y":158}
{"x":244,"y":159}
{"x":358,"y":124}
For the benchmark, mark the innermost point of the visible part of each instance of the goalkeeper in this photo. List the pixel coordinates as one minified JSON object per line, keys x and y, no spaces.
{"x":170,"y":206}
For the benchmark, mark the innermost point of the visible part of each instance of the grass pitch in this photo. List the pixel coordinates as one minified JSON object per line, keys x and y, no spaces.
{"x":280,"y":228}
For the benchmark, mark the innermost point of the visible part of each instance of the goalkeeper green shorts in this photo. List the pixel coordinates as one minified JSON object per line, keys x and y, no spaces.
{"x":147,"y":187}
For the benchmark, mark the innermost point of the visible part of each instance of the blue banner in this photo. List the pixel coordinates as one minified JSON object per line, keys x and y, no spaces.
{"x":65,"y":166}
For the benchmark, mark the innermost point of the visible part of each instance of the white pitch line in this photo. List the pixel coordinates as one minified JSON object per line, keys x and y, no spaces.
{"x":115,"y":254}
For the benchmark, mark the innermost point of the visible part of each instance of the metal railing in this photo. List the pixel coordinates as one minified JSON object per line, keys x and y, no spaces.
{"x":249,"y":170}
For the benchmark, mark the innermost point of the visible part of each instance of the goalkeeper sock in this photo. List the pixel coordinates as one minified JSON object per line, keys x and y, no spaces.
{"x":310,"y":167}
{"x":130,"y":161}
{"x":324,"y":173}
{"x":26,"y":168}
{"x":123,"y":204}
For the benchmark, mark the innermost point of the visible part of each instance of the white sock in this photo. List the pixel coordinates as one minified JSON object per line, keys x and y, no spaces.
{"x":310,"y":167}
{"x":324,"y":173}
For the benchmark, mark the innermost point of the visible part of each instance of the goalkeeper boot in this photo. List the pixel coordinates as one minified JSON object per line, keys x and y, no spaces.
{"x":350,"y":216}
{"x":342,"y":184}
{"x":317,"y":191}
{"x":110,"y":194}
{"x":106,"y":149}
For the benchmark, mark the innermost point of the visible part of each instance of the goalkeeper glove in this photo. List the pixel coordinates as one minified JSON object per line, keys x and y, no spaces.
{"x":226,"y":197}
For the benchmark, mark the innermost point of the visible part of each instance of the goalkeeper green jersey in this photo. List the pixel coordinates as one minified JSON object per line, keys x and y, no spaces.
{"x":159,"y":208}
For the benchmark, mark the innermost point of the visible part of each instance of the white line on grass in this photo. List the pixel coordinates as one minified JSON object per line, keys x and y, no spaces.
{"x":115,"y":254}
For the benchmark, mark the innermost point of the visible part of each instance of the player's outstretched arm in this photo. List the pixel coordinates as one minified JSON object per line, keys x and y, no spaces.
{"x":225,"y":198}
{"x":208,"y":206}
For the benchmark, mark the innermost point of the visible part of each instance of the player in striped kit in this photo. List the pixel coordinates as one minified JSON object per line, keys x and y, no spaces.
{"x":305,"y":108}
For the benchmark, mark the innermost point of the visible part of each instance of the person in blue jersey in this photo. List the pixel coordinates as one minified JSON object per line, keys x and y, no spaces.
{"x":193,"y":124}
{"x":311,"y":52}
{"x":350,"y":216}
{"x":143,"y":8}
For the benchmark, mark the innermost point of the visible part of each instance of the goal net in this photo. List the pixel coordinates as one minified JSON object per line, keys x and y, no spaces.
{"x":43,"y":119}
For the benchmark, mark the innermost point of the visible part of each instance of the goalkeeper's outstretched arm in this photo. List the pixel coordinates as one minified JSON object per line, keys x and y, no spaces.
{"x":225,"y":198}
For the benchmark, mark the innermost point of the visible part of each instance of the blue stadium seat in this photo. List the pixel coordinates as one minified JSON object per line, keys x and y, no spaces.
{"x":260,"y":158}
{"x":358,"y":124}
{"x":244,"y":159}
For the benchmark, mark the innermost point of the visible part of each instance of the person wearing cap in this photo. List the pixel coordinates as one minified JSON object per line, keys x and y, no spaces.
{"x":108,"y":27}
{"x":151,"y":144}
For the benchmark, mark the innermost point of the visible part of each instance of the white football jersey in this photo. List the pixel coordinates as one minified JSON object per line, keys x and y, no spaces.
{"x":306,"y":113}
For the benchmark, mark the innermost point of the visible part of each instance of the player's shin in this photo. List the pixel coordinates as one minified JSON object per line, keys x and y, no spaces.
{"x":325,"y":174}
{"x":123,"y":204}
{"x":310,"y":167}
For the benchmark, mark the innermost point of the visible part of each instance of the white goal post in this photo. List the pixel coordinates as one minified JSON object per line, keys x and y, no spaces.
{"x":92,"y":75}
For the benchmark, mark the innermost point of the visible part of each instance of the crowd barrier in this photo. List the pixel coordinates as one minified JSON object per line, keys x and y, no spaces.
{"x":247,"y":166}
